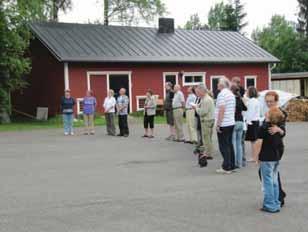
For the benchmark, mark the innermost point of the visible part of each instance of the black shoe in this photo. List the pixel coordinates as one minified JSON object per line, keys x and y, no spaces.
{"x":209,"y":157}
{"x":202,"y":161}
{"x":120,"y":135}
{"x":125,"y":135}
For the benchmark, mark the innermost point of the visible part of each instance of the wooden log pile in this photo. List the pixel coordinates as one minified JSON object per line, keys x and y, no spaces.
{"x":297,"y":110}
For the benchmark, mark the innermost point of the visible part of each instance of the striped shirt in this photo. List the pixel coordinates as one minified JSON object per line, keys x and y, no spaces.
{"x":226,"y":98}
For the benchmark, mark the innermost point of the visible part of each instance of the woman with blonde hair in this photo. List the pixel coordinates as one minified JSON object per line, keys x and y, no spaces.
{"x":109,"y":107}
{"x":268,"y":152}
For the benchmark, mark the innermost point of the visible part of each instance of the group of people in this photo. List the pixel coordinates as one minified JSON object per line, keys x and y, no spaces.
{"x":110,"y":105}
{"x":235,"y":116}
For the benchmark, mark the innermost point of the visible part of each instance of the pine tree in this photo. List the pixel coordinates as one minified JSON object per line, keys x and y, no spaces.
{"x":240,"y":15}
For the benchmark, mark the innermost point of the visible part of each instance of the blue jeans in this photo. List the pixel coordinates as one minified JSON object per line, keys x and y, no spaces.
{"x":68,"y":123}
{"x":237,"y":143}
{"x":269,"y":172}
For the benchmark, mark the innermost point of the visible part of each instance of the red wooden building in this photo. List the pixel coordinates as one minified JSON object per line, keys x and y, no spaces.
{"x":85,"y":56}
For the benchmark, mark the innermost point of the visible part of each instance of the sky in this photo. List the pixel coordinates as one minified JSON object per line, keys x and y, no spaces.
{"x":259,"y":11}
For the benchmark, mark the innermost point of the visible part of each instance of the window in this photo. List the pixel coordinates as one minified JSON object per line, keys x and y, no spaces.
{"x":79,"y":102}
{"x":250,"y":81}
{"x":193,"y":79}
{"x":141,"y":102}
{"x":214,"y":84}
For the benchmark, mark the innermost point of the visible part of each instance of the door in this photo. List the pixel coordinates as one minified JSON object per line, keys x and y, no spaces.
{"x":98,"y":84}
{"x":118,"y":81}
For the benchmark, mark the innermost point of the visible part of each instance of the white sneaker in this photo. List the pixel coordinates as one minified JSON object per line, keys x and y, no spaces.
{"x":222,"y":171}
{"x":72,"y":133}
{"x":65,"y":133}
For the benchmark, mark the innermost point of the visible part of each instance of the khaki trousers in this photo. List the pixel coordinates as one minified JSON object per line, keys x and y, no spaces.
{"x":178,"y":123}
{"x":89,"y":122}
{"x":191,"y":125}
{"x":207,"y":136}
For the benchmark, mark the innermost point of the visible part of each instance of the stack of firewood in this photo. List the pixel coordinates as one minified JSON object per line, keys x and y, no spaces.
{"x":297,"y":110}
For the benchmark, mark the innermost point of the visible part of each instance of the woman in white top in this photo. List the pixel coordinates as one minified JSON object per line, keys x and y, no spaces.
{"x":252,"y":117}
{"x":109,"y":107}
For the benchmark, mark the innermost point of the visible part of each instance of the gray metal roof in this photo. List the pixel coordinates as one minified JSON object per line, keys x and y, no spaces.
{"x":99,"y":43}
{"x":288,"y":76}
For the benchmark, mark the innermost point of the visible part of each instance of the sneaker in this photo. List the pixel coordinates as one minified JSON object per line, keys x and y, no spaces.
{"x":222,"y":171}
{"x":72,"y":133}
{"x":66,"y":134}
{"x":269,"y":211}
{"x":170,"y":137}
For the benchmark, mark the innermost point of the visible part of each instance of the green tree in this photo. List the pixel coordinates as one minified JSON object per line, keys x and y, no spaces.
{"x":228,"y":17}
{"x":303,"y":17}
{"x":14,"y":42}
{"x":129,"y":11}
{"x":216,"y":16}
{"x":194,"y":23}
{"x":281,"y":39}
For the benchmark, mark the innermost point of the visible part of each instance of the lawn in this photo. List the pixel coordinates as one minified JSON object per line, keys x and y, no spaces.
{"x":56,"y":122}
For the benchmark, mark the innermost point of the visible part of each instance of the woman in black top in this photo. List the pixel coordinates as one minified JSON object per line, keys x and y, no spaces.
{"x":238,"y":128}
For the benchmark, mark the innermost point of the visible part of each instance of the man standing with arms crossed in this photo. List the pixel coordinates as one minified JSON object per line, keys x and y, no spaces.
{"x":122,"y":108}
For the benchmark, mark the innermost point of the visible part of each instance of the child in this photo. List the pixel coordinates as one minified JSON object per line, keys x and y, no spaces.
{"x":268,"y":152}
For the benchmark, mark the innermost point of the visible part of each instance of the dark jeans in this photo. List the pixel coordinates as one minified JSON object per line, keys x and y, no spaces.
{"x":226,"y":147}
{"x":123,"y":126}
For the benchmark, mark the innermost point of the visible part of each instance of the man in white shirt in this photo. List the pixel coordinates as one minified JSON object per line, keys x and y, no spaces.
{"x":109,"y":108}
{"x":225,"y":121}
{"x":178,"y":104}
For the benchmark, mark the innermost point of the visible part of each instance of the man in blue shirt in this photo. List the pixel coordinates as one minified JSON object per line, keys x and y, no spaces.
{"x":122,"y":108}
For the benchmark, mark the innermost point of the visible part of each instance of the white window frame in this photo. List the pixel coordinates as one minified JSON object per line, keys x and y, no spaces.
{"x":193,"y":74}
{"x":142,"y":97}
{"x":215,"y":77}
{"x":176,"y":74}
{"x":107,"y":74}
{"x":78,"y":101}
{"x":251,"y":77}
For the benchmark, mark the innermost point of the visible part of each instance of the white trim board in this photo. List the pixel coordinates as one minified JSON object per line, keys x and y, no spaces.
{"x":66,"y":77}
{"x":176,"y":74}
{"x":269,"y":77}
{"x":78,"y":100}
{"x":203,"y":74}
{"x":250,"y":77}
{"x":108,"y":73}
